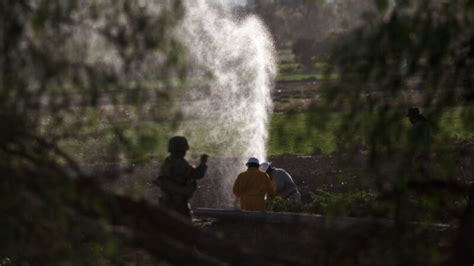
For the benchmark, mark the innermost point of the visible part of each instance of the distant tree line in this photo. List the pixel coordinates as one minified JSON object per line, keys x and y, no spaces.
{"x":310,"y":27}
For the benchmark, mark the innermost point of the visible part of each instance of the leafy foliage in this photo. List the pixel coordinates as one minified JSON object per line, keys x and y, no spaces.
{"x":87,"y":81}
{"x":418,"y":53}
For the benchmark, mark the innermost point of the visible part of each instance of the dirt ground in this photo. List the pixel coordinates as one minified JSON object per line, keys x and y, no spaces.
{"x":314,"y":172}
{"x":310,"y":173}
{"x":326,"y":171}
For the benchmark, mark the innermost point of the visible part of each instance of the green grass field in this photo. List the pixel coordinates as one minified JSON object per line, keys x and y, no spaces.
{"x":316,"y":132}
{"x":294,"y":72}
{"x":299,"y":133}
{"x":299,"y":76}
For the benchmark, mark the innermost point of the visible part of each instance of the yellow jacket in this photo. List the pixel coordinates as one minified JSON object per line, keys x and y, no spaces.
{"x":251,"y":187}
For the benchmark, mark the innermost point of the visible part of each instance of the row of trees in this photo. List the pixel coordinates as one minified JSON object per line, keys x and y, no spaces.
{"x":310,"y":27}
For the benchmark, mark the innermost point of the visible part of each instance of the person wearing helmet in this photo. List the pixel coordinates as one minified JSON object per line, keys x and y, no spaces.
{"x":285,"y":186}
{"x":251,"y":187}
{"x":177,"y":178}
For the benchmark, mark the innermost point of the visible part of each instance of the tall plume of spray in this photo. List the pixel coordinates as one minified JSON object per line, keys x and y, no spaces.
{"x":227,"y":111}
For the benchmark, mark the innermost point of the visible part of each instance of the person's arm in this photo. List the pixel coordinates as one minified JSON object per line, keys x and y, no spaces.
{"x":271,"y":188}
{"x":237,"y":187}
{"x":200,"y":170}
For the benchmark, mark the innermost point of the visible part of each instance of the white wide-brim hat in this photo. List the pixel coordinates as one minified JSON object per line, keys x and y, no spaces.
{"x":264,"y":166}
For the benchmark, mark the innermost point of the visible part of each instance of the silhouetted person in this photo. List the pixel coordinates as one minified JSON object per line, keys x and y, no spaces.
{"x":251,"y":187}
{"x":284,"y":184}
{"x":420,"y":141}
{"x":415,"y":117}
{"x":177,"y":179}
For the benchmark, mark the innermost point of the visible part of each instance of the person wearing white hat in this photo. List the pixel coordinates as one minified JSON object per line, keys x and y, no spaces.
{"x":285,"y":186}
{"x":251,"y":187}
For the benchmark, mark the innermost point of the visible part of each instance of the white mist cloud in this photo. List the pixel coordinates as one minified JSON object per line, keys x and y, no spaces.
{"x":229,"y":111}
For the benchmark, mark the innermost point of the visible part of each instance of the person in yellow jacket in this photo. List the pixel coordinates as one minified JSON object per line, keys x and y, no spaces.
{"x":251,"y":187}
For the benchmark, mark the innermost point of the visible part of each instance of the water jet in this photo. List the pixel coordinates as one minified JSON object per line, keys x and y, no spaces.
{"x":226,"y":112}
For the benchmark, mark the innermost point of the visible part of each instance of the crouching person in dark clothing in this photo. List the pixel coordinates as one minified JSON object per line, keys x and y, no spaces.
{"x":177,"y":178}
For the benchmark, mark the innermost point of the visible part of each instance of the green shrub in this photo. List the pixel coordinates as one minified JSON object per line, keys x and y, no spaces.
{"x":355,"y":204}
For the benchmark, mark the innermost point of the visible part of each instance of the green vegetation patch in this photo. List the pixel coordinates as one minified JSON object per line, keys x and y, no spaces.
{"x":299,"y":76}
{"x":288,"y":67}
{"x":313,"y":132}
{"x":369,"y":203}
{"x":318,"y":131}
{"x":352,"y":203}
{"x":299,"y":134}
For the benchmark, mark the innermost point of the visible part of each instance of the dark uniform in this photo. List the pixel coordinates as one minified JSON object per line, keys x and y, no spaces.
{"x":177,"y":178}
{"x":421,"y":141}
